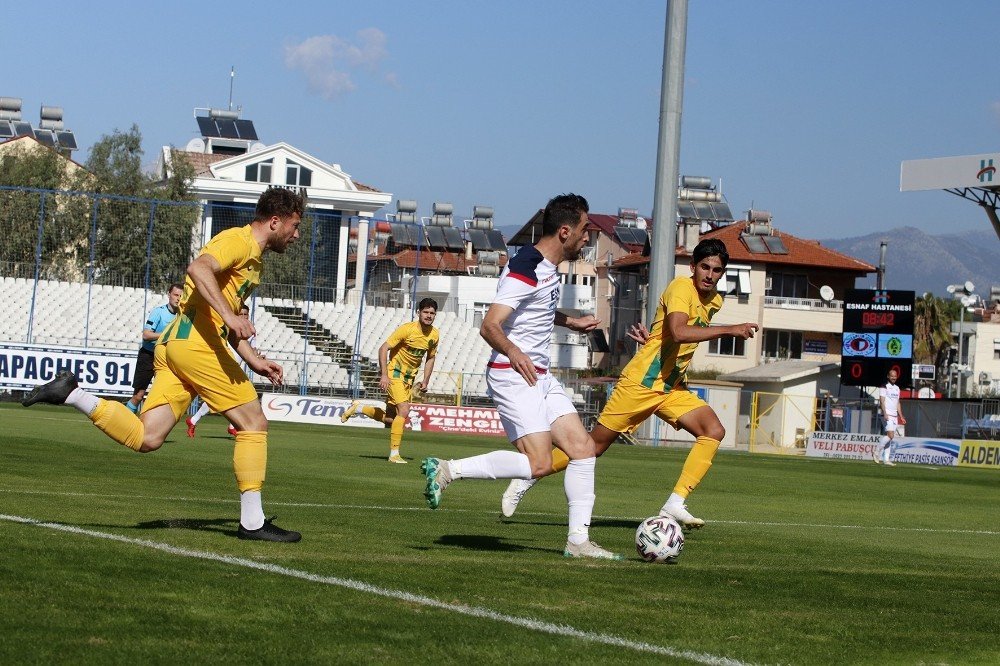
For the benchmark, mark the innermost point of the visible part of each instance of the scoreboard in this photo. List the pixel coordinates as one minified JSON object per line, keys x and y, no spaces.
{"x":878,"y":336}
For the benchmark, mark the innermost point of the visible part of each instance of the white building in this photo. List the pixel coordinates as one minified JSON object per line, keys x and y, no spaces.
{"x":233,"y":168}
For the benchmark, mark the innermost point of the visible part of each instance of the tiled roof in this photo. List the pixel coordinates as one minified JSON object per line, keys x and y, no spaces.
{"x":453,"y":262}
{"x":801,"y":252}
{"x":200,"y":161}
{"x":365,"y":188}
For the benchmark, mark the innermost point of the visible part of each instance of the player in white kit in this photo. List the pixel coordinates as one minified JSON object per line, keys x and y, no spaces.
{"x":892,"y":415}
{"x":533,"y":407}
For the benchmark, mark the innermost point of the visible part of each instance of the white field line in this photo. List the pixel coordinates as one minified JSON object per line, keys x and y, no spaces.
{"x":372,"y":507}
{"x":399,"y":595}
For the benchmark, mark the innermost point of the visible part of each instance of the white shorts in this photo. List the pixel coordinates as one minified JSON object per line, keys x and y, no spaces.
{"x":526,"y":409}
{"x":891,"y":425}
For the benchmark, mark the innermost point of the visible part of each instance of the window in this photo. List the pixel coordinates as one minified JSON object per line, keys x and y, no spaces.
{"x":788,"y":285}
{"x":296,"y":174}
{"x":782,"y":344}
{"x":996,"y":349}
{"x":259,"y":172}
{"x":736,"y":281}
{"x":727,"y":346}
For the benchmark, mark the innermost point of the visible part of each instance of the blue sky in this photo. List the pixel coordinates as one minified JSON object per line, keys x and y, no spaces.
{"x":802,"y":108}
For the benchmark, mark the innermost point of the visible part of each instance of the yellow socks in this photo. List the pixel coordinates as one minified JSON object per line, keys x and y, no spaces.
{"x":560,"y":460}
{"x":396,"y":435}
{"x":119,"y":423}
{"x":696,"y":466}
{"x":250,"y":459}
{"x":376,"y":413}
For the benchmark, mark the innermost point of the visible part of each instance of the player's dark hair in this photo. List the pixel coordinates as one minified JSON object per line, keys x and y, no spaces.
{"x":710,"y":247}
{"x":427,"y":303}
{"x":175,"y":285}
{"x":562,"y":210}
{"x":279,"y":201}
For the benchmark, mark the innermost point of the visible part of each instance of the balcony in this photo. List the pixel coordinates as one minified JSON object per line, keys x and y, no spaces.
{"x":802,"y":314}
{"x":801,"y":303}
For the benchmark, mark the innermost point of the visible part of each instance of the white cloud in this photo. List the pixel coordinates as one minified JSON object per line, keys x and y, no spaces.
{"x":327,"y":61}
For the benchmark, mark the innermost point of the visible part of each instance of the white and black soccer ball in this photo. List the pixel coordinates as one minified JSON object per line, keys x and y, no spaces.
{"x":659,"y":539}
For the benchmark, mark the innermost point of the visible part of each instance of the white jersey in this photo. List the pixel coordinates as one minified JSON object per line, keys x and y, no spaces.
{"x":890,"y":397}
{"x":529,"y":283}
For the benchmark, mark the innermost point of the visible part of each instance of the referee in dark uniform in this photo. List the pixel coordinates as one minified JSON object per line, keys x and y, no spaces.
{"x":157,"y":320}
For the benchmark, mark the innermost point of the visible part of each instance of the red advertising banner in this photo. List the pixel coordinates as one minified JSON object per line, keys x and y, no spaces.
{"x":468,"y":420}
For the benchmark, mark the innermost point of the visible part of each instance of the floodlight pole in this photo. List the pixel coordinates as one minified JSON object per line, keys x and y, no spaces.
{"x":664,"y":241}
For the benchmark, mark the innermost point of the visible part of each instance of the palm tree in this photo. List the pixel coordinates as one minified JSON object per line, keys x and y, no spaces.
{"x":932,"y":331}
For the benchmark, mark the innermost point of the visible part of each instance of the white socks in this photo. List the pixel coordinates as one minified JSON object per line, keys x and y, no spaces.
{"x":82,"y":400}
{"x":251,"y":511}
{"x":579,"y":486}
{"x":202,"y":410}
{"x":492,"y":465}
{"x":673,"y":500}
{"x":886,"y":448}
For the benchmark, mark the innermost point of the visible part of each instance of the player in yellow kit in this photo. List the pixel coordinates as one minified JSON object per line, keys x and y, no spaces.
{"x":655,"y":380}
{"x":399,"y":360}
{"x":192,"y":358}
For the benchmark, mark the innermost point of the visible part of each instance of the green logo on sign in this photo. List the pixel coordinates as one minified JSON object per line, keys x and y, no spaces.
{"x":894,"y":346}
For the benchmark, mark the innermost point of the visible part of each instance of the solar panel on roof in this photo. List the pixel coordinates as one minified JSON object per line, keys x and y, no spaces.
{"x":686,"y":210}
{"x":402,"y":234}
{"x":66,"y":139}
{"x":703,"y":210}
{"x":624,"y":235}
{"x":22,"y":128}
{"x":453,"y":238}
{"x":479,"y":239}
{"x":640,"y":236}
{"x":496,"y":240}
{"x":755,"y":244}
{"x":227,"y":128}
{"x":722,"y":212}
{"x":775,"y":245}
{"x":435,"y":237}
{"x":46,"y":138}
{"x":246,"y":130}
{"x":208,"y":127}
{"x":6,"y":131}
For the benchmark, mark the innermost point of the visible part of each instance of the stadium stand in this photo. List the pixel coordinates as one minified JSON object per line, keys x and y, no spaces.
{"x":78,"y":314}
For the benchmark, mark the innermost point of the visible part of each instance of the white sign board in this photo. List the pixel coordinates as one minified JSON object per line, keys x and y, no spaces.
{"x":101,"y":371}
{"x":855,"y":446}
{"x":950,"y":172}
{"x":313,"y":409}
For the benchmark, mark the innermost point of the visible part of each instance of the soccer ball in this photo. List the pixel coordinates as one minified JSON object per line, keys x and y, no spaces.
{"x":659,"y":539}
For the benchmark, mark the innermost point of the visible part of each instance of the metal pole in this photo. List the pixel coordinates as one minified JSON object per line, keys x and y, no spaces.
{"x":958,"y":370}
{"x":664,"y":241}
{"x":880,"y":274}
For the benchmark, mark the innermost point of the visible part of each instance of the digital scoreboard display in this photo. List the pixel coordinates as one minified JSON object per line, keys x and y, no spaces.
{"x":878,"y":337}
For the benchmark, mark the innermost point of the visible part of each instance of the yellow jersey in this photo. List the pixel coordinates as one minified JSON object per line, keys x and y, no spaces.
{"x":239,"y":255}
{"x":661,"y":364}
{"x":408,"y":346}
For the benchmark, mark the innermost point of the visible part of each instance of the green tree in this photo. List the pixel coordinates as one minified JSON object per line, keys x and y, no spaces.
{"x":64,"y":220}
{"x":123,"y":240}
{"x":932,"y":331}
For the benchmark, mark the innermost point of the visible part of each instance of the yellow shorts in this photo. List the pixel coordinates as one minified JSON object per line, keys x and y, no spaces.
{"x":185,"y":369}
{"x":399,"y":392}
{"x":631,"y":404}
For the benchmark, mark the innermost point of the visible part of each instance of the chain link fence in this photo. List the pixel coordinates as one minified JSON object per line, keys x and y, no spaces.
{"x":83,"y":270}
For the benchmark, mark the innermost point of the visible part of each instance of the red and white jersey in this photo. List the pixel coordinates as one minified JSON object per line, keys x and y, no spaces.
{"x":890,"y":393}
{"x":529,"y":283}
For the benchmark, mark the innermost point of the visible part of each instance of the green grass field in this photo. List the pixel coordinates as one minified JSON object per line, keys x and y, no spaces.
{"x":133,"y":558}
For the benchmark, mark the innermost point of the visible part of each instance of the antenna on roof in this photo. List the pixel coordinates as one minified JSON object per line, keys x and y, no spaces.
{"x":232,"y":77}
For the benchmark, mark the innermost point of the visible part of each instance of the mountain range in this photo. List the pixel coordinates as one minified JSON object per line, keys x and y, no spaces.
{"x":922,"y":262}
{"x":918,"y":261}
